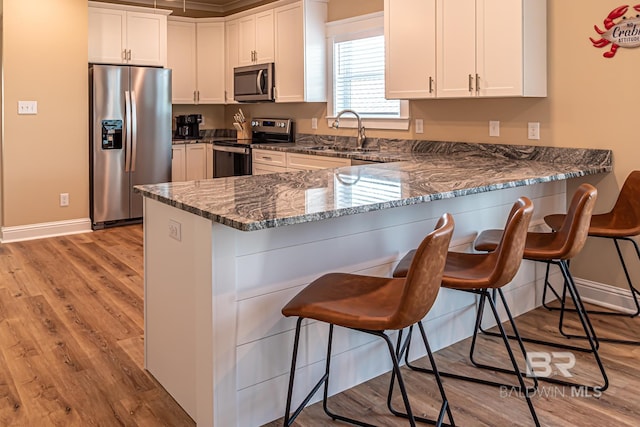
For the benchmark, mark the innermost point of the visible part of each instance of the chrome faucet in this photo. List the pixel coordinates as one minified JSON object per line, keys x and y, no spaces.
{"x":361,"y":136}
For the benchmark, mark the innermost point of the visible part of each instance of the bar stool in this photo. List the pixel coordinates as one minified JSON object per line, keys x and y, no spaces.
{"x":373,"y":305}
{"x":481,"y":274}
{"x":621,"y":223}
{"x":558,"y":248}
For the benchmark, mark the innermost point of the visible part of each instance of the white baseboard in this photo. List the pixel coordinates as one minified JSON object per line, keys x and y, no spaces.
{"x":607,"y":296}
{"x":45,"y":229}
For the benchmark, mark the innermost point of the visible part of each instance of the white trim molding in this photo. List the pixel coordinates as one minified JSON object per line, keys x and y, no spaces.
{"x":607,"y":296}
{"x":45,"y":229}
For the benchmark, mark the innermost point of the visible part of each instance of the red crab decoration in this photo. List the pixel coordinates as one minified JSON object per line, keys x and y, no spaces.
{"x":610,"y":23}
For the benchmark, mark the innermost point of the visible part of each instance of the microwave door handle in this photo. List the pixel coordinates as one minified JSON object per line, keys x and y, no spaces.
{"x":134,"y":132}
{"x":127,"y":132}
{"x":259,"y":82}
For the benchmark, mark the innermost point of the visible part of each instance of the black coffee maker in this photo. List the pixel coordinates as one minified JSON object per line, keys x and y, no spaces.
{"x":188,"y":126}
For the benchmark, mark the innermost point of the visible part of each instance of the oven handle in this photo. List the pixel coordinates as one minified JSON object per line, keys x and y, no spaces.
{"x":240,"y":150}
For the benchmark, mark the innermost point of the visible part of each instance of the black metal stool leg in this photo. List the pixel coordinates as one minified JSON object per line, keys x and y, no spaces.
{"x":589,"y":334}
{"x":445,"y":408}
{"x":288,"y":419}
{"x":634,"y":295}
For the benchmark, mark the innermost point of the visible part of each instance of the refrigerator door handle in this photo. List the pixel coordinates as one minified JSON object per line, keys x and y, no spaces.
{"x":127,"y":134}
{"x":134,"y":132}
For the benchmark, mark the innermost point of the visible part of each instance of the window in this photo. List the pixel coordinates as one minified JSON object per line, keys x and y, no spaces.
{"x":356,"y":73}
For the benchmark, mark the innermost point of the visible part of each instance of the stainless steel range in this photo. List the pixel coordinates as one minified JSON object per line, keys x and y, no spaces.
{"x":233,"y":158}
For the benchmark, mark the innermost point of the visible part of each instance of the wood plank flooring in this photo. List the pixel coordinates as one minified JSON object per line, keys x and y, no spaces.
{"x":71,"y":334}
{"x":71,"y":353}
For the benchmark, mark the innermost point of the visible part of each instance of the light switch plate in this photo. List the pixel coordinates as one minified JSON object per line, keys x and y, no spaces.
{"x":27,"y":107}
{"x":419,"y":126}
{"x":314,"y":123}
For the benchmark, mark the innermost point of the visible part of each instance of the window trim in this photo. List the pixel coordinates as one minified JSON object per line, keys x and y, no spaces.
{"x":353,"y":28}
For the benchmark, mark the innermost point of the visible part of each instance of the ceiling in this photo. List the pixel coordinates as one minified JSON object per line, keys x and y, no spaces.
{"x":196,"y":8}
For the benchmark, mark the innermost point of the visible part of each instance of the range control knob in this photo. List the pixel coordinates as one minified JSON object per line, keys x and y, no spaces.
{"x":254,"y":123}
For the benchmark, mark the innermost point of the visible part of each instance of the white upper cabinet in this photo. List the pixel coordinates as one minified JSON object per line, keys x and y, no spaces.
{"x":127,"y":35}
{"x":410,"y":49}
{"x":491,"y":48}
{"x":195,"y":53}
{"x":210,"y":62}
{"x":300,"y":52}
{"x":232,"y":58}
{"x":181,"y":58}
{"x":255,"y":39}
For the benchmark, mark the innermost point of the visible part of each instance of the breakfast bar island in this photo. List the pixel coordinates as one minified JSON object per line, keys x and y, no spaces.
{"x":223,"y":256}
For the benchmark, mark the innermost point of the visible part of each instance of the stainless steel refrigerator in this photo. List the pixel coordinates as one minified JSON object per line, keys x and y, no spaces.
{"x":130,"y":138}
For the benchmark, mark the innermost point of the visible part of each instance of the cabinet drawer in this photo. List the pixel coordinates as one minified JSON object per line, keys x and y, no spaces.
{"x":276,"y":158}
{"x":306,"y":162}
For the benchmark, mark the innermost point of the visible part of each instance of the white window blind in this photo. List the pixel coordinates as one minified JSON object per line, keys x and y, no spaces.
{"x":359,"y":78}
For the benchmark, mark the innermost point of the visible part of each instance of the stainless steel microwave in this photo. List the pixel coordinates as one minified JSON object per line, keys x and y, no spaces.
{"x":253,"y":83}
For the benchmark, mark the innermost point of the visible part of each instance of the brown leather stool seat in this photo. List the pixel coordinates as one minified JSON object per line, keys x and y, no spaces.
{"x":373,"y":305}
{"x":621,"y":223}
{"x":481,"y":273}
{"x":558,"y":248}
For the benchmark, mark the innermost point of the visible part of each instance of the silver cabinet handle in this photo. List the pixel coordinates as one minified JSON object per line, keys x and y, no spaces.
{"x":198,"y":99}
{"x":129,"y":55}
{"x":477,"y":83}
{"x":430,"y":84}
{"x":124,"y":54}
{"x":470,"y":83}
{"x":266,"y":158}
{"x":194,"y":96}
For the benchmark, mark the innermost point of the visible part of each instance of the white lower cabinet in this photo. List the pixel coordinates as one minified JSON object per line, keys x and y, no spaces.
{"x":177,"y":163}
{"x":191,"y":162}
{"x":267,"y":161}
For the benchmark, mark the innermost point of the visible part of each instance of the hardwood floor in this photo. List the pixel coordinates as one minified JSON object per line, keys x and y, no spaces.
{"x":71,"y":353}
{"x":71,"y":334}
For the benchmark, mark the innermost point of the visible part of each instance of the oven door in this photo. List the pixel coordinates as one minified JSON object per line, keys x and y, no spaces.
{"x":231,"y":161}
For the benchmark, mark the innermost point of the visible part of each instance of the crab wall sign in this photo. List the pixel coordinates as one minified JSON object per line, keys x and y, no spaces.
{"x":622,"y":29}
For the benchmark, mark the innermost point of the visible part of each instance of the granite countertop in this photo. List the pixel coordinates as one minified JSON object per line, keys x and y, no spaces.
{"x":419,"y":172}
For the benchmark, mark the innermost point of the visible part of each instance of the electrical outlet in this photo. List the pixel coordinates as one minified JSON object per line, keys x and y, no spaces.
{"x":534,"y":130}
{"x":64,"y":199}
{"x":314,"y":123}
{"x":419,"y":126}
{"x":175,"y":230}
{"x":27,"y":107}
{"x":494,"y":128}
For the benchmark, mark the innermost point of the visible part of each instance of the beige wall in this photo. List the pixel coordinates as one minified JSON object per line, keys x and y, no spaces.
{"x":45,"y":59}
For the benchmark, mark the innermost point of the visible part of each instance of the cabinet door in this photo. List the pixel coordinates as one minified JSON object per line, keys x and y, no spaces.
{"x":262,"y":169}
{"x":232,"y":56}
{"x":410,"y":53}
{"x":177,"y":163}
{"x":246,"y":39}
{"x":107,"y":33}
{"x":289,"y":39}
{"x":209,"y":173}
{"x":147,"y":38}
{"x":210,"y":48}
{"x":196,"y":163}
{"x":499,"y":48}
{"x":310,"y":162}
{"x":264,"y":45}
{"x":456,"y":48}
{"x":181,"y":58}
